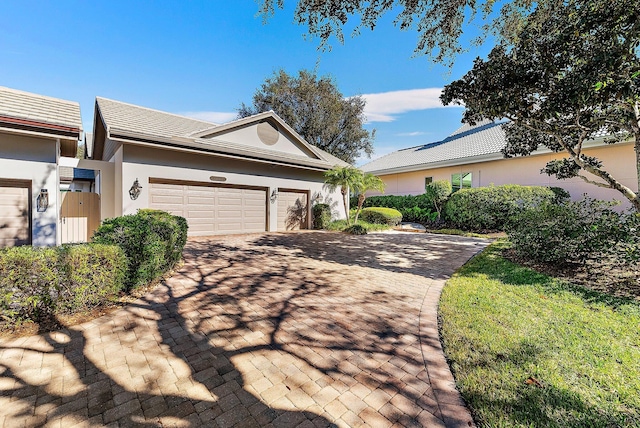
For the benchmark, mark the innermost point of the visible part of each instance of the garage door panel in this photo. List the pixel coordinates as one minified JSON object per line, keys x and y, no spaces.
{"x":14,"y":216}
{"x":292,"y":210}
{"x":211,"y":210}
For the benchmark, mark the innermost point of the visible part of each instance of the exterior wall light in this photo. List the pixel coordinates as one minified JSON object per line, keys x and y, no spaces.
{"x":42,"y":200}
{"x":134,"y":192}
{"x":274,"y":195}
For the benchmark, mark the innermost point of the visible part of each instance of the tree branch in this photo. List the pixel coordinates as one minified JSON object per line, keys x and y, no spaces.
{"x":595,"y":183}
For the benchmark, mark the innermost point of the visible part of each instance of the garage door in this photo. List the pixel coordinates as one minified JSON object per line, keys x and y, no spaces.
{"x":14,"y":213}
{"x":212,"y":210}
{"x":292,"y":209}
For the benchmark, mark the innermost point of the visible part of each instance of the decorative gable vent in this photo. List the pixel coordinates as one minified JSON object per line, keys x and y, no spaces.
{"x":268,"y":133}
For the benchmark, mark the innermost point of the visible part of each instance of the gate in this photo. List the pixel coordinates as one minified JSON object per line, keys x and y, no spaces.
{"x":79,"y":216}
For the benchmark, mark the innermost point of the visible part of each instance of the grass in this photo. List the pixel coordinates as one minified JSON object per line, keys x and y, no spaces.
{"x":506,"y":327}
{"x":460,"y":233}
{"x":340,"y":225}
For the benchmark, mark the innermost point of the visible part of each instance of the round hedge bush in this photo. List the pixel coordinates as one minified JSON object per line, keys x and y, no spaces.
{"x":381,"y":215}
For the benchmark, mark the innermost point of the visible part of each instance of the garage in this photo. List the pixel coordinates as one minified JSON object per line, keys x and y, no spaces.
{"x":15,"y":213}
{"x":292,"y":209}
{"x":212,"y":209}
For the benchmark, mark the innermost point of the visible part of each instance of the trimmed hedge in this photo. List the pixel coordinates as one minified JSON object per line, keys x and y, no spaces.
{"x":356,"y":229}
{"x":381,"y":215}
{"x":419,"y":208}
{"x":490,"y":208}
{"x":321,"y":216}
{"x":152,"y":242}
{"x":38,"y":282}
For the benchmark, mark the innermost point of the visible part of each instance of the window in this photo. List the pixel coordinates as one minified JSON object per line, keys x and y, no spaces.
{"x":427,"y":181}
{"x":461,"y":181}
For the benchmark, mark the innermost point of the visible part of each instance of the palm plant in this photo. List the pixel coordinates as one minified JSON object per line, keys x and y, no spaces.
{"x":345,"y":178}
{"x":368,"y":182}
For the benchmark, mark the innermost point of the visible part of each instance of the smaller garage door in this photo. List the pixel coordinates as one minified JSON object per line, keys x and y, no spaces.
{"x":212,"y":210}
{"x":15,"y":213}
{"x":292,"y":209}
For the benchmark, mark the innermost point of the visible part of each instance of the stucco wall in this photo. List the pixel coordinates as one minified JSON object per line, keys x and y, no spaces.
{"x":30,"y":158}
{"x":618,"y":159}
{"x":141,"y":163}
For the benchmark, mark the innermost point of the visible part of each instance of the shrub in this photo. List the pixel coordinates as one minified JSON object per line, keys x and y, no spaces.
{"x":356,"y":229}
{"x":438,"y":192}
{"x":490,"y":208}
{"x":151,"y":240}
{"x":321,"y":216}
{"x":380,"y":215}
{"x":94,"y":273}
{"x":574,"y":232}
{"x":396,"y":202}
{"x":419,"y":215}
{"x":38,"y":282}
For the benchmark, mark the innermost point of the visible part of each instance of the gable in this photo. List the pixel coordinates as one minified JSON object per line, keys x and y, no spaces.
{"x":265,"y":135}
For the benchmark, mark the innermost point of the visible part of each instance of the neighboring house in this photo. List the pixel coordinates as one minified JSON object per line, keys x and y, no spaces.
{"x":34,"y":132}
{"x":252,"y":175}
{"x":471,"y":157}
{"x":76,"y":179}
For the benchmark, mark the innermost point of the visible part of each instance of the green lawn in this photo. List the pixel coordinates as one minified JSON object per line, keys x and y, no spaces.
{"x":503,"y":324}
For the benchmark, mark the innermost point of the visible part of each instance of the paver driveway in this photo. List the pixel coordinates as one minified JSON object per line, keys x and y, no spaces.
{"x":308,"y":329}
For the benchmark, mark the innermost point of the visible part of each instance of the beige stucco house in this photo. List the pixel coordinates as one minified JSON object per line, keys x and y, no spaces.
{"x":471,"y":157}
{"x":251,"y":175}
{"x":35,"y":131}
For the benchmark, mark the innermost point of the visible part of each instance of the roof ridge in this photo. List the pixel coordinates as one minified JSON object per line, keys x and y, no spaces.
{"x":157,"y":111}
{"x":46,"y":97}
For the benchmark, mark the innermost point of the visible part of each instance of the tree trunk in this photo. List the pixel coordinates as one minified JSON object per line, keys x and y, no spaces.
{"x":361,"y":198}
{"x":344,"y":201}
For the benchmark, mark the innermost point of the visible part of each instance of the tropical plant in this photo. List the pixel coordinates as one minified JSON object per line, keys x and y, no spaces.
{"x":438,"y":192}
{"x":344,"y":178}
{"x":367,"y":182}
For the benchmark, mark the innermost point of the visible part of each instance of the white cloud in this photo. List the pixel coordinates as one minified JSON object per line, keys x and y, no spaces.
{"x":411,"y":134}
{"x":212,"y":116}
{"x":385,"y":106}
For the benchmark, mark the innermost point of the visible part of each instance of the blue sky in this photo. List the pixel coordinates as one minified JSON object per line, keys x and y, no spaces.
{"x":204,"y":58}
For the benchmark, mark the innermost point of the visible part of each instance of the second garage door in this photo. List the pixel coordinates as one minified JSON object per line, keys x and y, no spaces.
{"x":292,"y":209}
{"x":212,"y":210}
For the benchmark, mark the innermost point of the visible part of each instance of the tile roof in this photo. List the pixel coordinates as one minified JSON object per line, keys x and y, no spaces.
{"x":39,"y":108}
{"x":484,"y":138}
{"x":153,"y":123}
{"x":129,"y":117}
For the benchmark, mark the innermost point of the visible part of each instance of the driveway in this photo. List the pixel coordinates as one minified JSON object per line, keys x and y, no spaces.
{"x":284,"y":330}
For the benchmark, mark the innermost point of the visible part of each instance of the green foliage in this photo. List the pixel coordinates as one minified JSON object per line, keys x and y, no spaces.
{"x":438,"y":192}
{"x":439,"y":23}
{"x":503,"y":323}
{"x":151,"y":240}
{"x":367,"y":182}
{"x":356,"y":229}
{"x":340,"y":225}
{"x":93,"y":274}
{"x":321,"y":216}
{"x":573,"y":232}
{"x":570,"y":75}
{"x":418,"y":215}
{"x":382,"y":215}
{"x":562,"y":195}
{"x":314,"y":107}
{"x":36,"y":283}
{"x":344,"y":178}
{"x":490,"y":208}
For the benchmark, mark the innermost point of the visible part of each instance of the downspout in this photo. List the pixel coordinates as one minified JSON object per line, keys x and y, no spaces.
{"x":58,"y":194}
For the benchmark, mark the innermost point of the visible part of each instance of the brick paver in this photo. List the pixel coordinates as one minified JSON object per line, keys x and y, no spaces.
{"x":285,"y":330}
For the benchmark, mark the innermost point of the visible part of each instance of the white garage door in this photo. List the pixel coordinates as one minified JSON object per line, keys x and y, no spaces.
{"x":14,"y":213}
{"x":212,"y":210}
{"x":292,"y":209}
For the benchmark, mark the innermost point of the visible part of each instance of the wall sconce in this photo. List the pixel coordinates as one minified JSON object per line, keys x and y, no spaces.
{"x":42,"y":201}
{"x":274,"y":195}
{"x":134,"y":192}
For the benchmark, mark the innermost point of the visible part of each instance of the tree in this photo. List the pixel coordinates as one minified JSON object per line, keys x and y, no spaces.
{"x":367,"y":182}
{"x":438,"y":22}
{"x":314,"y":107}
{"x":574,"y":73}
{"x":345,"y":178}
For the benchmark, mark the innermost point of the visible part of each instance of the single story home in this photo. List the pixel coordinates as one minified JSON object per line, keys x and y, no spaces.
{"x":471,"y":157}
{"x":251,"y":175}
